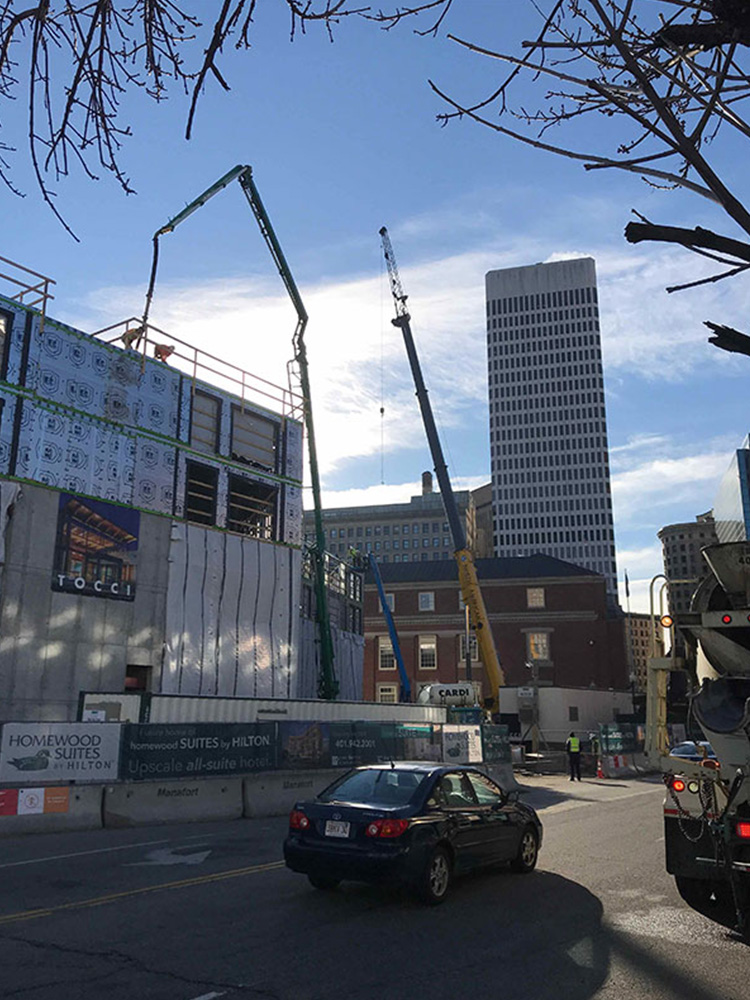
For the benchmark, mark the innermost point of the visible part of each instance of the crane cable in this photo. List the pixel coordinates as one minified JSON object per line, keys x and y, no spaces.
{"x":382,"y":377}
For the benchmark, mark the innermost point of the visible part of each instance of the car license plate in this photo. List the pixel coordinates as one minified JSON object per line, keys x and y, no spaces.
{"x":335,"y":828}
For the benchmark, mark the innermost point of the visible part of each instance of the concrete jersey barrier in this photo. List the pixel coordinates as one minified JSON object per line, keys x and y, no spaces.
{"x":143,"y":803}
{"x":50,"y":810}
{"x":273,"y":793}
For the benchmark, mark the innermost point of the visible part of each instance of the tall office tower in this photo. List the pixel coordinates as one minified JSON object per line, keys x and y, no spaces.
{"x":548,"y":431}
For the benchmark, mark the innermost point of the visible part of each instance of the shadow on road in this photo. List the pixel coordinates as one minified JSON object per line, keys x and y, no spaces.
{"x":499,"y":934}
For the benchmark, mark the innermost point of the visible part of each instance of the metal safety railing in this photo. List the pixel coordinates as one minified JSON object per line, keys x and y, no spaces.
{"x":202,"y":366}
{"x":34,"y":294}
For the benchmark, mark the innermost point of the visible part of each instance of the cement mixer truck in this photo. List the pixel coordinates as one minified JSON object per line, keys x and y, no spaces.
{"x":707,"y":802}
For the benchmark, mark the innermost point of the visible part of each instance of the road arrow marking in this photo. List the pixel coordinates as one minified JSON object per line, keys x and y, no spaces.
{"x":166,"y":856}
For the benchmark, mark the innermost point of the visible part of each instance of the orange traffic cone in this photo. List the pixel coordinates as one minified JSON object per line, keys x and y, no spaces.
{"x":599,"y":772}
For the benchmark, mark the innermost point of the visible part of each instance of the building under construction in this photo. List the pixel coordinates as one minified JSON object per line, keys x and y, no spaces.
{"x":151,"y":532}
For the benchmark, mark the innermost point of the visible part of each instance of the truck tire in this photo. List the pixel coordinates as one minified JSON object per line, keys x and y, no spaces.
{"x":712,"y":899}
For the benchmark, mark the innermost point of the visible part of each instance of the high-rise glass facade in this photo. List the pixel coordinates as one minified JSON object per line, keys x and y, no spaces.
{"x":548,"y":430}
{"x":732,"y":504}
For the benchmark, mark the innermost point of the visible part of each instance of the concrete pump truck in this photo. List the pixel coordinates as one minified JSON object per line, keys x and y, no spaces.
{"x":707,"y":802}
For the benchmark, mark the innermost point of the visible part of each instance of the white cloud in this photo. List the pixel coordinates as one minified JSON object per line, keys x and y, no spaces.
{"x":689,"y":481}
{"x":358,"y":362}
{"x":638,"y":561}
{"x":390,"y":492}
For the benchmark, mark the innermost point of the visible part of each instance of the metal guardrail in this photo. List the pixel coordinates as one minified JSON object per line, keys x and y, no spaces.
{"x":32,"y":294}
{"x":202,"y":366}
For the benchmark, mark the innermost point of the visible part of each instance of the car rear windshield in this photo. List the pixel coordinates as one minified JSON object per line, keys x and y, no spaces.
{"x":376,"y":786}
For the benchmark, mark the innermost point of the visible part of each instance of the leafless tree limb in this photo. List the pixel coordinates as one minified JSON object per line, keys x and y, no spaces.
{"x":673,"y":72}
{"x":76,"y":60}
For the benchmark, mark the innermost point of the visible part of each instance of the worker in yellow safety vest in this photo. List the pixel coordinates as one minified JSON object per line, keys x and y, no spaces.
{"x":573,"y":748}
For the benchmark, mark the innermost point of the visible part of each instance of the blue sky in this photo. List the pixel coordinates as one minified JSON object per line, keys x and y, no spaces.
{"x":343,"y":139}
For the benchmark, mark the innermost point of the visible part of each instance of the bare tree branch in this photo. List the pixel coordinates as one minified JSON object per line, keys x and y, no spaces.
{"x":77,"y":59}
{"x":671,"y":74}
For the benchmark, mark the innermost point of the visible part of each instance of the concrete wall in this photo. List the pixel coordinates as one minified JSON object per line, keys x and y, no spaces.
{"x":54,"y":644}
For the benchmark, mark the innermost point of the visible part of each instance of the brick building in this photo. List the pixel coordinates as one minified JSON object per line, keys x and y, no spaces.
{"x":542,"y":611}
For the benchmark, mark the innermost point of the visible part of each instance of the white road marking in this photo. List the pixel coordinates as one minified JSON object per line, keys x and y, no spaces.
{"x":209,"y":996}
{"x":82,"y":854}
{"x":166,"y":856}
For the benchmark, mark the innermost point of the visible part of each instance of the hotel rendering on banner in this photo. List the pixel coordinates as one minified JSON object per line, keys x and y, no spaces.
{"x":96,"y":548}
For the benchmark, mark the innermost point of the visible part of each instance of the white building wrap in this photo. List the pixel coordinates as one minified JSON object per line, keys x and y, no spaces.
{"x":232,"y":624}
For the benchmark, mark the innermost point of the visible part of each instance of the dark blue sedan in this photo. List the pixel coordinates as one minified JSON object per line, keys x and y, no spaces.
{"x":417,"y":824}
{"x":693,"y":750}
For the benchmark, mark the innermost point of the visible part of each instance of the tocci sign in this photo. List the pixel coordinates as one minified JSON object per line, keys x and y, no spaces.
{"x":77,"y":584}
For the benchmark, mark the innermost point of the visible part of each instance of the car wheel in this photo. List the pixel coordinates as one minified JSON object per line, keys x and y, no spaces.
{"x":528,"y":851}
{"x":436,"y":877}
{"x":320,"y":882}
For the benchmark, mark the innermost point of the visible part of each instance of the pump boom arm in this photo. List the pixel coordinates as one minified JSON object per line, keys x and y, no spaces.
{"x":327,"y":684}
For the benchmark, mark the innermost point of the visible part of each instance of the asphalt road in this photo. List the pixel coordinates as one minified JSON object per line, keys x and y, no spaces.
{"x":208,"y":911}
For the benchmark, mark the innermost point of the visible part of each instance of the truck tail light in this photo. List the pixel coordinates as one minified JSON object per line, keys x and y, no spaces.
{"x":678,"y":785}
{"x":387,"y":827}
{"x":743,"y":830}
{"x":298,"y":820}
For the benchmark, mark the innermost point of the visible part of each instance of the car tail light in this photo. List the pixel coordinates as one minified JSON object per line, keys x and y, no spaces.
{"x":678,"y":785}
{"x":743,"y":830}
{"x":386,"y":827}
{"x":298,"y":820}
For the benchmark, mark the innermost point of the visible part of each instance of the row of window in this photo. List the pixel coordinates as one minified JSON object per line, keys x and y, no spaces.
{"x":537,"y":649}
{"x":582,"y":347}
{"x":542,"y":300}
{"x":367,"y":531}
{"x":427,"y":543}
{"x":251,"y":506}
{"x":253,"y":438}
{"x":517,"y":503}
{"x":426,"y":599}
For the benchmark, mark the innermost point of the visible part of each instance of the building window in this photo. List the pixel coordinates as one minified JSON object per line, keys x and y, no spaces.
{"x":387,"y":694}
{"x":538,"y":645}
{"x":200,"y":493}
{"x":5,"y":322}
{"x":252,"y":508}
{"x":427,"y":600}
{"x":572,"y":713}
{"x":428,"y":652}
{"x":204,"y":422}
{"x":254,"y":439}
{"x":391,"y":602}
{"x":386,"y":656}
{"x":472,"y":647}
{"x":535,"y":597}
{"x":137,"y":678}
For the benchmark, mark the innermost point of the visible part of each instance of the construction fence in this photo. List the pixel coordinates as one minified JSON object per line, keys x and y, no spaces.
{"x":41,"y":753}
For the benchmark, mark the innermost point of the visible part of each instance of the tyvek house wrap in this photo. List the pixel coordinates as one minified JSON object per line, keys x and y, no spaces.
{"x":232,"y":623}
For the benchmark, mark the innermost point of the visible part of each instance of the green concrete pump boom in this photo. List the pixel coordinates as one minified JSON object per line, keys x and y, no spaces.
{"x":467,"y":573}
{"x":328,"y":686}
